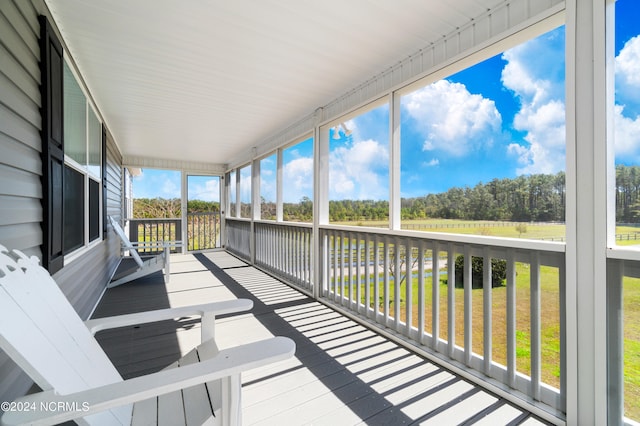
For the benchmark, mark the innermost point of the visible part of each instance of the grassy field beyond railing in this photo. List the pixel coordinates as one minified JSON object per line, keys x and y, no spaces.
{"x":203,"y":231}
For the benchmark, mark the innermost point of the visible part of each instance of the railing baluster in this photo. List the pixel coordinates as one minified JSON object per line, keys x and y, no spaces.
{"x":535,"y":326}
{"x":386,"y":281}
{"x":358,"y":283}
{"x":468,"y":318}
{"x":397,"y":282}
{"x":511,"y":319}
{"x":486,"y":310}
{"x":451,"y":301}
{"x":421,"y":293}
{"x":435,"y":295}
{"x":367,"y":271}
{"x":376,"y":277}
{"x":408,"y":287}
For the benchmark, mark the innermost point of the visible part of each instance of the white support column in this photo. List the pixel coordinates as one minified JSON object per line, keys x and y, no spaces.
{"x":586,"y":213}
{"x":183,"y":206}
{"x":394,"y":162}
{"x":238,"y":193}
{"x":320,"y":197}
{"x":224,"y":206}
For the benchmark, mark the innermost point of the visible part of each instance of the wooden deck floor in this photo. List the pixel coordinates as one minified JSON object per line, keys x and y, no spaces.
{"x":342,"y":374}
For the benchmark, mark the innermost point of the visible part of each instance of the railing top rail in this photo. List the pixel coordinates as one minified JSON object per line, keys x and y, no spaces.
{"x":481,"y":240}
{"x":155,"y":219}
{"x":286,"y":223}
{"x":624,"y":253}
{"x":238,"y":219}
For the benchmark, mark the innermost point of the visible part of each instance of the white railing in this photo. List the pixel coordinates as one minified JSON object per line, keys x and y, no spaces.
{"x":285,"y":250}
{"x":239,"y":238}
{"x":512,"y":333}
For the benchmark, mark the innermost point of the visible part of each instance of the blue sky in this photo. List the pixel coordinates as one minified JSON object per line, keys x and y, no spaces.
{"x":501,"y":118}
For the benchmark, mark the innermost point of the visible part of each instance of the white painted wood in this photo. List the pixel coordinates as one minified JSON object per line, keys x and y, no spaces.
{"x":159,"y":262}
{"x":57,"y":350}
{"x":586,"y":212}
{"x":145,"y":412}
{"x":215,"y":308}
{"x":170,"y":406}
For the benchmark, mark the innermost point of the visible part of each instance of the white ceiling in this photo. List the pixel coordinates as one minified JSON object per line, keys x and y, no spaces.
{"x":205,"y":80}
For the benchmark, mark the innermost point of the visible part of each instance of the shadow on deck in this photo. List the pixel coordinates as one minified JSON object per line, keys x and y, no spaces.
{"x":342,"y":374}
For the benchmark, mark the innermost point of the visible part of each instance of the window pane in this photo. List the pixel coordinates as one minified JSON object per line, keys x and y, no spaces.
{"x":297,"y":182}
{"x":73,"y":209}
{"x":94,"y":210}
{"x":245,"y":192}
{"x":268,"y":176}
{"x":157,"y":194}
{"x":359,"y":169}
{"x":627,"y":122}
{"x":483,"y":151}
{"x":75,"y":122}
{"x":95,"y":144}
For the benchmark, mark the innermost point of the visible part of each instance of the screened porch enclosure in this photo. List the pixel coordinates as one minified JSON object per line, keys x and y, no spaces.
{"x":439,"y":200}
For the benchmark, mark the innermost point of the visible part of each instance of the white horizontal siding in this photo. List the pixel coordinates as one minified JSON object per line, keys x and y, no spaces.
{"x":83,"y":279}
{"x":20,"y":145}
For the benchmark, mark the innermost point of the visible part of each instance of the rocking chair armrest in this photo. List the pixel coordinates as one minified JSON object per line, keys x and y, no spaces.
{"x":228,"y":362}
{"x":215,"y":308}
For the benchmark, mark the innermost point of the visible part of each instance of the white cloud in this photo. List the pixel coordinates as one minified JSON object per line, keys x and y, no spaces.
{"x":209,"y":191}
{"x":170,"y":189}
{"x":627,"y":109}
{"x":298,"y":179}
{"x":533,"y":74}
{"x":432,"y":163}
{"x":245,"y":185}
{"x":358,"y":171}
{"x":627,"y":135}
{"x":628,"y":64}
{"x":452,"y":119}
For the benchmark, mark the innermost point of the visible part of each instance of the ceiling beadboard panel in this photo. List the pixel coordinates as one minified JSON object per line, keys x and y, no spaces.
{"x":207,"y":80}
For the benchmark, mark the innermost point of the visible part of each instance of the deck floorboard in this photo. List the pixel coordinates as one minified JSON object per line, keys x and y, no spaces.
{"x":343,"y":373}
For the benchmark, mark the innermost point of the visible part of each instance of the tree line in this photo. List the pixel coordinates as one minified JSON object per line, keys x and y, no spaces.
{"x":531,"y":198}
{"x":160,"y":208}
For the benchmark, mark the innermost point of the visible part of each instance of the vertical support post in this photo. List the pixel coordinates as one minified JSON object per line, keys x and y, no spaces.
{"x":184,"y":200}
{"x":588,"y":159}
{"x":320,"y":197}
{"x":394,"y":162}
{"x":224,"y":207}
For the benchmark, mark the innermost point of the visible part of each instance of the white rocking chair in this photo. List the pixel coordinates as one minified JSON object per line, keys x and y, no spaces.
{"x":155,"y":263}
{"x":42,"y":333}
